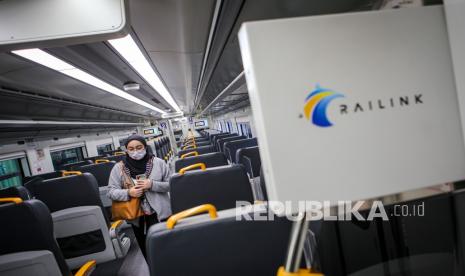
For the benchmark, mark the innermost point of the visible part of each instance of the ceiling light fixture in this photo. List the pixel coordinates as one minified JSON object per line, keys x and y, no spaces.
{"x":129,"y":50}
{"x":52,"y":62}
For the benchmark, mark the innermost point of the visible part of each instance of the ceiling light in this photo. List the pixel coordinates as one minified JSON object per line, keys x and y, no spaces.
{"x":52,"y":62}
{"x":131,"y":86}
{"x":129,"y":50}
{"x":172,"y":115}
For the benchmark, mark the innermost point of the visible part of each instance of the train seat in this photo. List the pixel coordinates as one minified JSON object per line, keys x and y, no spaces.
{"x":213,"y":159}
{"x":220,"y":186}
{"x":101,"y":172}
{"x":221,"y":141}
{"x":49,"y":175}
{"x":213,"y":136}
{"x":223,"y":135}
{"x":28,"y":245}
{"x":72,"y":166}
{"x":80,"y":219}
{"x":205,"y":246}
{"x":16,"y":191}
{"x":115,"y":158}
{"x":199,"y":150}
{"x":198,"y":144}
{"x":232,"y":147}
{"x":250,"y":158}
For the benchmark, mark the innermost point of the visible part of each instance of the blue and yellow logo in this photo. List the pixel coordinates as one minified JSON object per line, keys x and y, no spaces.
{"x":317,"y":102}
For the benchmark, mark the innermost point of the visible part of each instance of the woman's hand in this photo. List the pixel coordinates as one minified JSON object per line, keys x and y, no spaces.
{"x":136,"y":191}
{"x":144,"y":184}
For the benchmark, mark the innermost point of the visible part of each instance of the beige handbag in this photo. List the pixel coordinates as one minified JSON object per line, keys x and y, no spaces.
{"x":126,"y":210}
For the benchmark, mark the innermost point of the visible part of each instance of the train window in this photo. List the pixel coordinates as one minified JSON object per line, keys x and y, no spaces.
{"x":102,"y":149}
{"x":12,"y":172}
{"x":222,"y":128}
{"x":230,"y":128}
{"x":67,"y":156}
{"x":245,"y":130}
{"x":122,"y":141}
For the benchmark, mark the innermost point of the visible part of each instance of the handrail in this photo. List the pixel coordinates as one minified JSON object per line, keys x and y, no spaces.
{"x":173,"y":220}
{"x":192,"y":153}
{"x":15,"y":200}
{"x":68,"y":173}
{"x":202,"y":166}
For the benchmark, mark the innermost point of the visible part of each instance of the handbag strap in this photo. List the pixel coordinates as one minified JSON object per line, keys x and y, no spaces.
{"x":127,"y":181}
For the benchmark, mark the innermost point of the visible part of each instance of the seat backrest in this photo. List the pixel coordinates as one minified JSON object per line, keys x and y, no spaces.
{"x":200,"y":150}
{"x":404,"y":238}
{"x":221,"y":141}
{"x":101,"y":172}
{"x":158,"y":149}
{"x":202,"y":143}
{"x":247,"y":247}
{"x":93,"y":158}
{"x":28,"y":226}
{"x":163,"y":147}
{"x":223,"y":135}
{"x":250,"y":158}
{"x":459,"y":206}
{"x":232,"y":147}
{"x":66,"y":192}
{"x":49,"y":175}
{"x":72,"y":166}
{"x":17,"y":191}
{"x":212,"y":137}
{"x":115,"y":158}
{"x":213,"y":159}
{"x":220,"y":186}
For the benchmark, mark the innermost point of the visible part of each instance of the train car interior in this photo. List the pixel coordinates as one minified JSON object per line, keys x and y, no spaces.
{"x":232,"y":137}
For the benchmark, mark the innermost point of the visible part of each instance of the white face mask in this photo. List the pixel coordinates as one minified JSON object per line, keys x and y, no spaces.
{"x":137,"y":154}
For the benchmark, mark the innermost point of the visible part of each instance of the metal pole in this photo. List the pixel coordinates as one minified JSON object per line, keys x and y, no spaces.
{"x":296,"y":243}
{"x":171,"y":136}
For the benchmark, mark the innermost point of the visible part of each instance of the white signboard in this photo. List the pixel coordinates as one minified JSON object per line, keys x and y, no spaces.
{"x":27,"y":21}
{"x":354,"y":106}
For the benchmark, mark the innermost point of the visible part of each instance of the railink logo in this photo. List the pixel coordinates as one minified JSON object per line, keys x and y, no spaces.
{"x":316,"y":104}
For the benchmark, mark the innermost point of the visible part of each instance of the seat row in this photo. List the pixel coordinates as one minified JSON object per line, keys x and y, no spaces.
{"x":229,"y":149}
{"x":68,"y":220}
{"x":162,"y":147}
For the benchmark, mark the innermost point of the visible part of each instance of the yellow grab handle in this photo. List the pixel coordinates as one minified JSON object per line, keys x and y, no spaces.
{"x":15,"y":200}
{"x":192,"y":153}
{"x":191,"y":212}
{"x":67,"y":173}
{"x":119,"y":153}
{"x":98,"y":161}
{"x":86,"y":269}
{"x":189,"y":147}
{"x":202,"y":166}
{"x":301,"y":272}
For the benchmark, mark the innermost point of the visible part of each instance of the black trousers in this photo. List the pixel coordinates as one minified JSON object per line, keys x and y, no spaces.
{"x":141,"y":231}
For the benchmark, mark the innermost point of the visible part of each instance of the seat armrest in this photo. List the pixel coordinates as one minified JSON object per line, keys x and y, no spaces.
{"x":86,"y":269}
{"x":115,"y":228}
